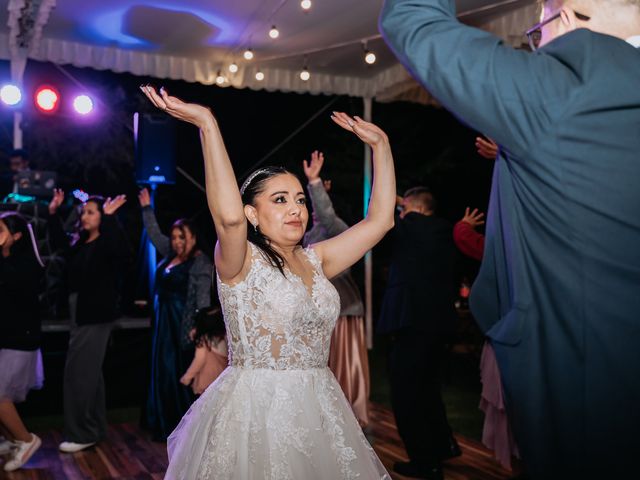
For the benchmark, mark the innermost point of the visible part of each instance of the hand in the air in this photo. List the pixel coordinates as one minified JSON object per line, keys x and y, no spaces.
{"x":110,"y":205}
{"x":367,"y":132}
{"x":473,"y":218}
{"x":144,"y":198}
{"x":56,"y":201}
{"x":188,"y":112}
{"x":312,"y":169}
{"x":487,"y":148}
{"x":186,"y":380}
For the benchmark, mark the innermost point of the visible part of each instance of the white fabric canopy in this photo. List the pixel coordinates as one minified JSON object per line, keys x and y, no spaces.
{"x":194,"y":40}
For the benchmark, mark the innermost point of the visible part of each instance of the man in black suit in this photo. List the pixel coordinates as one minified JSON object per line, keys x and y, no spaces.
{"x":418,"y":311}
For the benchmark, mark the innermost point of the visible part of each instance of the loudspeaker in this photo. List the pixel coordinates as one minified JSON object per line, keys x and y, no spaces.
{"x":154,"y":136}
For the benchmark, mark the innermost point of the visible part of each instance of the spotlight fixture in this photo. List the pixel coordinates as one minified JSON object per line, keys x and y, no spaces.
{"x":305,"y":4}
{"x":83,"y":104}
{"x":248,"y":54}
{"x":233,"y":68}
{"x":369,"y":57}
{"x":274,"y":32}
{"x":304,"y":74}
{"x":10,"y":94}
{"x":47,"y":99}
{"x":259,"y":76}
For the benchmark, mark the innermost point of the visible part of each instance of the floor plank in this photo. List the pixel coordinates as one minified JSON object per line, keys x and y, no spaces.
{"x":129,"y":453}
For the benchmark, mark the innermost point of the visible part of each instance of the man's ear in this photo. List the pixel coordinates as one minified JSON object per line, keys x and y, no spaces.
{"x":17,"y":236}
{"x":251,"y":214}
{"x":568,"y":19}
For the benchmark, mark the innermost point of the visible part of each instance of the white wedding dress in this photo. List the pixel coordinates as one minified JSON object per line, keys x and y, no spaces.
{"x":277,"y":411}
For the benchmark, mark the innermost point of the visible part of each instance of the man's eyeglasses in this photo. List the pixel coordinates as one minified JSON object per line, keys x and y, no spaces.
{"x":534,"y":34}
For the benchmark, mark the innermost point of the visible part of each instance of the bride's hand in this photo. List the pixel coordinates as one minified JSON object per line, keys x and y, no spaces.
{"x":187,"y":112}
{"x":366,"y":131}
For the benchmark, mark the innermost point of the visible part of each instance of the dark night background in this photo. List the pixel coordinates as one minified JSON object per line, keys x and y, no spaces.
{"x":430,"y":147}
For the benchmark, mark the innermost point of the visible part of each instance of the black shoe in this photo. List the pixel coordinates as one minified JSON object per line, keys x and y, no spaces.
{"x":452,"y":452}
{"x":413,"y":470}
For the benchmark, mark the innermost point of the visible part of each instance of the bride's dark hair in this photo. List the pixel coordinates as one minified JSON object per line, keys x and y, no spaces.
{"x":253,"y":186}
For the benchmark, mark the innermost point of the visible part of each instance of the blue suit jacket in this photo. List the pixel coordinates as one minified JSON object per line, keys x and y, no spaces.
{"x":559,"y":287}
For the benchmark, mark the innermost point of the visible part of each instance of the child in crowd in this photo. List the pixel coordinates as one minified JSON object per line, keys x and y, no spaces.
{"x":211,"y":350}
{"x":21,"y":270}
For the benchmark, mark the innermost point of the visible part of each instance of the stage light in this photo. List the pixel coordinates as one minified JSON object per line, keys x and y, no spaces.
{"x":304,"y":74}
{"x":233,"y":68}
{"x":83,"y":104}
{"x":248,"y":54}
{"x":369,"y":57}
{"x":274,"y":33}
{"x":305,"y":4}
{"x":259,"y":76}
{"x":47,"y":99}
{"x":10,"y":94}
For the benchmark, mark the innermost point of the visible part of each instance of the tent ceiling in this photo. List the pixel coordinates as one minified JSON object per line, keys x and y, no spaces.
{"x":194,"y":39}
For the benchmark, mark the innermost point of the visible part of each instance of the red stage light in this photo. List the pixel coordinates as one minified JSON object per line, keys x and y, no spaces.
{"x":47,"y":99}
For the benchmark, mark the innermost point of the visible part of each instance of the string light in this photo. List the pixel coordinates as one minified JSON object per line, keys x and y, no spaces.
{"x":233,"y":68}
{"x":248,"y":54}
{"x":369,"y":57}
{"x":305,"y":4}
{"x":259,"y":76}
{"x":274,"y":33}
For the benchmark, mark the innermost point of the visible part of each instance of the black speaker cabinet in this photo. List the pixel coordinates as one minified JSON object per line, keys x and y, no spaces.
{"x":155,"y":144}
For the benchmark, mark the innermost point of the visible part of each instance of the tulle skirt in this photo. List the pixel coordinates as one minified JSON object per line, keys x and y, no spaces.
{"x":272,"y":424}
{"x":20,"y":371}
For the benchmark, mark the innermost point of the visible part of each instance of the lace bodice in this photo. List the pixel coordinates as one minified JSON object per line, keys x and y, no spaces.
{"x":273,"y":322}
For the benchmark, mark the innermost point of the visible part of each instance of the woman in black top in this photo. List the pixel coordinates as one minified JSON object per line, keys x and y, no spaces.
{"x":20,"y":358}
{"x":95,"y":261}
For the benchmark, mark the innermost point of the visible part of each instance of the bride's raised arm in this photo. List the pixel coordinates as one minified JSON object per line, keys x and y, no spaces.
{"x":342,"y":251}
{"x":223,"y":195}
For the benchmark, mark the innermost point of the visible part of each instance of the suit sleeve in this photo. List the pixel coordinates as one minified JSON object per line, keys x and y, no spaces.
{"x":513,"y":96}
{"x":468,"y":241}
{"x":324,"y":211}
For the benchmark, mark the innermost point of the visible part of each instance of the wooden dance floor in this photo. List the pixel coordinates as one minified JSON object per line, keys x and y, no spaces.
{"x":129,"y":454}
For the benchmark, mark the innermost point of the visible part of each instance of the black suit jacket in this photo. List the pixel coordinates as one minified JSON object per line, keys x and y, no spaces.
{"x":420,"y":288}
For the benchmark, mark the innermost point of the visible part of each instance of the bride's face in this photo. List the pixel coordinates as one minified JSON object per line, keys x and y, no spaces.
{"x":280,"y":210}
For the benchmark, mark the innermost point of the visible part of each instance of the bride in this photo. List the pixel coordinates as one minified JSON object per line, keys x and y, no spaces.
{"x":277,"y":411}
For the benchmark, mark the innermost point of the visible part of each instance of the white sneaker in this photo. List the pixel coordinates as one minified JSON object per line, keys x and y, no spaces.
{"x":6,"y":446}
{"x":73,"y":447}
{"x":22,"y":453}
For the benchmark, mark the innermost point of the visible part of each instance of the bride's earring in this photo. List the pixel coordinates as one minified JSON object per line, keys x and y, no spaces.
{"x":255,"y":227}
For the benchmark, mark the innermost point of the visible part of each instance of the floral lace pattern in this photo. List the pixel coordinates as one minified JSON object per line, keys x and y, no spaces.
{"x":277,"y":412}
{"x":272,"y":320}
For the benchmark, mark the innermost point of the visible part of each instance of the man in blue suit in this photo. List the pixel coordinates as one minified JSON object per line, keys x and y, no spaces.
{"x":558,"y":292}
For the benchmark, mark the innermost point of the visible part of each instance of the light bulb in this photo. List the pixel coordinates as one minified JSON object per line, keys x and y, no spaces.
{"x":305,"y":4}
{"x":369,"y":57}
{"x":220,"y":79}
{"x":248,"y":54}
{"x":233,"y":68}
{"x":305,"y":75}
{"x":259,"y":76}
{"x":274,"y":33}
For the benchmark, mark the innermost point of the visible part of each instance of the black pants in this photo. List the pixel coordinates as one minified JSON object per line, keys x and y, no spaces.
{"x":85,"y":413}
{"x":415,"y":361}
